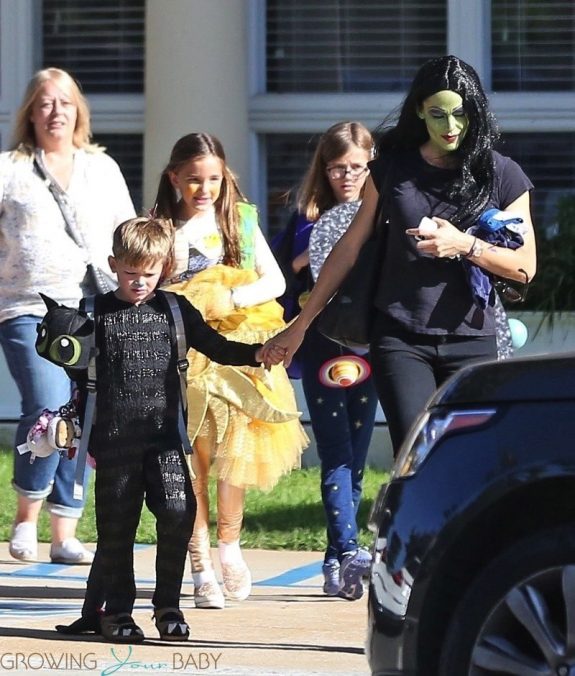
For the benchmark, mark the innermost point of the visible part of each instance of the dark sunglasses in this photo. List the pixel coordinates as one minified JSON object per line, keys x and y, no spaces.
{"x":510,"y":293}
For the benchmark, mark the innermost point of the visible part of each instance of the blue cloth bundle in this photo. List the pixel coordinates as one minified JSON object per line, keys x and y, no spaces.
{"x":494,"y":227}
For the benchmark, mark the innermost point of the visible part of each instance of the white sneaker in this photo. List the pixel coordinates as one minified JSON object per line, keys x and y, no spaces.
{"x":330,"y":570}
{"x":355,"y":566}
{"x":71,"y":551}
{"x":209,"y":595}
{"x":24,"y":541}
{"x":237,"y":581}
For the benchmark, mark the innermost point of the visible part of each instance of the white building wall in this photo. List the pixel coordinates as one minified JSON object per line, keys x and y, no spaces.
{"x":196,"y":80}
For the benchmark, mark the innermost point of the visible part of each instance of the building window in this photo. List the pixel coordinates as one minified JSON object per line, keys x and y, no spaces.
{"x":350,"y":45}
{"x":100,"y":43}
{"x":549,"y":161}
{"x":128,"y":151}
{"x":533,"y":45}
{"x":288,"y":157}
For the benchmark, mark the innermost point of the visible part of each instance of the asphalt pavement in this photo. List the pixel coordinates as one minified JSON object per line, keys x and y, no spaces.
{"x":287,"y":627}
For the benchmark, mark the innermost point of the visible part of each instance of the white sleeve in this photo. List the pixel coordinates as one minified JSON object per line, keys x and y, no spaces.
{"x":4,"y":165}
{"x":270,"y":283}
{"x":124,"y":207}
{"x":102,"y":201}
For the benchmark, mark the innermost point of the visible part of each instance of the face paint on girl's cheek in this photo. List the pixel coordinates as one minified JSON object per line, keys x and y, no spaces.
{"x":445,"y":119}
{"x":199,"y":181}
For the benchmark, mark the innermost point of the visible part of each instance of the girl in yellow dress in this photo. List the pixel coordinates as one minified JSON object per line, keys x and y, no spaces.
{"x":242,"y":421}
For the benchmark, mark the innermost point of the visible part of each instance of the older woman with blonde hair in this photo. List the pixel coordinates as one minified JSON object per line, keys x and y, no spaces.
{"x":51,"y":144}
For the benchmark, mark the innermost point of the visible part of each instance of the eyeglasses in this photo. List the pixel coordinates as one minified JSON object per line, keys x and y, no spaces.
{"x":340,"y":170}
{"x":510,"y":293}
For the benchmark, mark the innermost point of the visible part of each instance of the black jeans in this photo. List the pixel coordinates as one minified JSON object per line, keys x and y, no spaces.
{"x":162,"y":478}
{"x":407,"y":369}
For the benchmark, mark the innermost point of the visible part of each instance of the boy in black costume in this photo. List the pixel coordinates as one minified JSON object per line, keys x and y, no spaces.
{"x":135,"y":440}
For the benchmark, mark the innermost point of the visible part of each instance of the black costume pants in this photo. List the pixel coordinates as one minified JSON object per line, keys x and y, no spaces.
{"x":122,"y":482}
{"x":407,"y":369}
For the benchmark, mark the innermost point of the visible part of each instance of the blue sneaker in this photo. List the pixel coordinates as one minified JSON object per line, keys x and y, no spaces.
{"x":330,"y":570}
{"x":354,"y":566}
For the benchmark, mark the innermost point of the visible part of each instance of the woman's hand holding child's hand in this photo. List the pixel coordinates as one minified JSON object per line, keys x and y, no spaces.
{"x":270,"y":355}
{"x":287,"y":341}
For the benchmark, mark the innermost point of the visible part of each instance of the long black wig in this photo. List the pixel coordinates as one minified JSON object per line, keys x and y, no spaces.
{"x":472,"y":188}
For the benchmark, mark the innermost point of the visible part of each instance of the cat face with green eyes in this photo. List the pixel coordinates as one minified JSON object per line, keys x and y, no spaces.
{"x":64,"y":336}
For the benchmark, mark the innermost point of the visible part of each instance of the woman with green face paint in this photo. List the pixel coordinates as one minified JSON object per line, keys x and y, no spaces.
{"x":446,"y":123}
{"x":436,"y":173}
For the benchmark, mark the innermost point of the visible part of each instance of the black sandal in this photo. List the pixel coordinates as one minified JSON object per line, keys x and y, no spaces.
{"x":121,"y":628}
{"x":171,"y":624}
{"x":84,"y":625}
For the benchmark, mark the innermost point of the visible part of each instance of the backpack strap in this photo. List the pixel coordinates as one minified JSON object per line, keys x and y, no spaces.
{"x":179,"y":334}
{"x":87,"y":305}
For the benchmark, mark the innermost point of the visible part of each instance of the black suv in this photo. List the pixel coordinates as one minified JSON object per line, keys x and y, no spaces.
{"x":474,"y":554}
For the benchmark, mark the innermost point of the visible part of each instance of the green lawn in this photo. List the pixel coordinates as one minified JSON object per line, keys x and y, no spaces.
{"x":288,"y":517}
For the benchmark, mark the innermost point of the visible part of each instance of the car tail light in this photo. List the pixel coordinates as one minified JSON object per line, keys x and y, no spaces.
{"x":430,"y":427}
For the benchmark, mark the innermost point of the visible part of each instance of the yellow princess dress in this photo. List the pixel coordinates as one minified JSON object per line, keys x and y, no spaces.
{"x":248,"y":415}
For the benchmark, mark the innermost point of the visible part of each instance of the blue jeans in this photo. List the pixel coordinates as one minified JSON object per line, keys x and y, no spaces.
{"x":342,"y":420}
{"x":41,"y":385}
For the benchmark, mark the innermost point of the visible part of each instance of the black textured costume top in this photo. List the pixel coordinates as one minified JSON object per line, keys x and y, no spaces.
{"x":137,"y":380}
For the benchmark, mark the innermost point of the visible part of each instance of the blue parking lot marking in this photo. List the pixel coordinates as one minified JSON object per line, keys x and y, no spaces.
{"x":292,"y":577}
{"x":55,"y":571}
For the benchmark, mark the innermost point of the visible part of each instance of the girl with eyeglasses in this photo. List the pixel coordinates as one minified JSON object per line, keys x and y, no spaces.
{"x":342,"y":419}
{"x":436,"y":161}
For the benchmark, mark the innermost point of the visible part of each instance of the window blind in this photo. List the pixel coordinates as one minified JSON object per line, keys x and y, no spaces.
{"x":533,"y":45}
{"x":288,"y":157}
{"x":549,"y":161}
{"x":100,"y":43}
{"x":351,"y":45}
{"x":128,"y":151}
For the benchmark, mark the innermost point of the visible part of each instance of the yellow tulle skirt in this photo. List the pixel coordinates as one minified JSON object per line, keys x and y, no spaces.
{"x":248,"y":415}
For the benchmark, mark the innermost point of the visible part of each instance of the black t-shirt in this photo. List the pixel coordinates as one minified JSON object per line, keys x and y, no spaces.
{"x":420,"y":293}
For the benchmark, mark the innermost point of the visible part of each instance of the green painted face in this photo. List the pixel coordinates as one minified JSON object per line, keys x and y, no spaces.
{"x":445,"y":120}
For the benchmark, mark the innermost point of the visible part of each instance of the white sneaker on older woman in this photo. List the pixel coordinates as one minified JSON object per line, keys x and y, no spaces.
{"x":71,"y":551}
{"x":24,"y":541}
